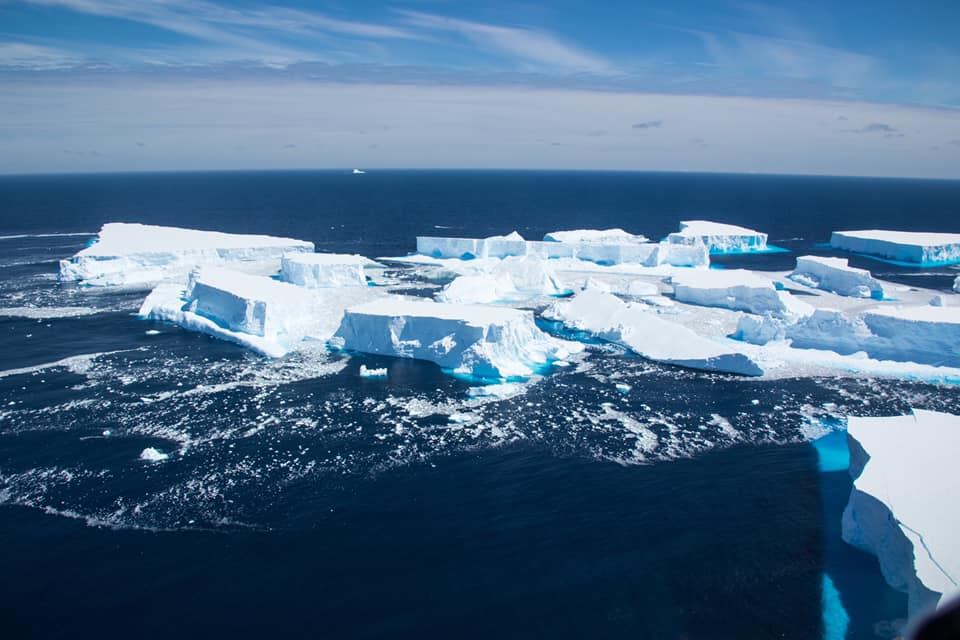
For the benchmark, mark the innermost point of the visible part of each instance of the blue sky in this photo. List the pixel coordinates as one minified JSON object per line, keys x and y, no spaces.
{"x":260,"y":81}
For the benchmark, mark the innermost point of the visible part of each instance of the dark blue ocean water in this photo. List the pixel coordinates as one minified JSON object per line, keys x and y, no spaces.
{"x":300,"y":498}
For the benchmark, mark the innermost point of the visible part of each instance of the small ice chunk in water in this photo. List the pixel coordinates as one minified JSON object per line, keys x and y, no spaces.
{"x":372,"y":373}
{"x":623,"y":387}
{"x":153,"y":455}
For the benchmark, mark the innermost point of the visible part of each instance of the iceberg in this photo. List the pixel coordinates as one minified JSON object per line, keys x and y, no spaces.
{"x":263,"y":314}
{"x":469,"y":340}
{"x":315,"y":270}
{"x":917,"y":248}
{"x":615,"y":250}
{"x":372,"y":373}
{"x":140,"y":254}
{"x":925,"y":334}
{"x":604,"y":236}
{"x":719,"y":237}
{"x":736,"y":289}
{"x":512,"y":279}
{"x":647,"y":334}
{"x":903,"y":507}
{"x":837,"y":276}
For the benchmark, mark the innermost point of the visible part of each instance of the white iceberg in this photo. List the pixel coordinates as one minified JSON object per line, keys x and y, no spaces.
{"x":915,"y":247}
{"x":647,"y":334}
{"x":257,"y":312}
{"x":372,"y":373}
{"x":316,"y":270}
{"x":470,"y":340}
{"x":836,"y":275}
{"x":719,"y":237}
{"x":926,"y":334}
{"x":903,"y":507}
{"x":604,"y":236}
{"x":615,"y":250}
{"x":138,"y":254}
{"x":151,"y":454}
{"x":512,"y":279}
{"x":736,"y":289}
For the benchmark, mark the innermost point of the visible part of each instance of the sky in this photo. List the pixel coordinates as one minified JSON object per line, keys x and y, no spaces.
{"x":849,"y":88}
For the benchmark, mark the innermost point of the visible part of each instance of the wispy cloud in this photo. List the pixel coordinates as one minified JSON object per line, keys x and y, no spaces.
{"x":527,"y":44}
{"x":249,"y":29}
{"x":649,"y":124}
{"x":21,"y":55}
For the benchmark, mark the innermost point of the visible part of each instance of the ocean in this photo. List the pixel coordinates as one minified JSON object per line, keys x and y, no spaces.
{"x":299,"y":498}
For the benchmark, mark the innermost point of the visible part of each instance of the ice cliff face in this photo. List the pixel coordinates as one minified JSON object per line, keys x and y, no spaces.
{"x":647,"y":334}
{"x":835,"y":274}
{"x":318,"y":270}
{"x":905,"y":246}
{"x":139,"y":254}
{"x":903,"y":507}
{"x":719,"y":238}
{"x":470,"y":340}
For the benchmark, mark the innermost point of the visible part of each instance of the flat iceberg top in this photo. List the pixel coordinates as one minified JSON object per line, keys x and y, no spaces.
{"x":246,"y":285}
{"x":123,"y":238}
{"x":910,"y":469}
{"x":926,"y":313}
{"x":919,"y":238}
{"x":478,"y":315}
{"x":834,"y":263}
{"x":329,"y":258}
{"x":721,"y":279}
{"x":708,"y":228}
{"x":611,"y":236}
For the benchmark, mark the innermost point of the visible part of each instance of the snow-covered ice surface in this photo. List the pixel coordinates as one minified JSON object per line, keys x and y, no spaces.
{"x":515,"y":278}
{"x":266,"y":315}
{"x":471,"y":340}
{"x":720,"y":238}
{"x":913,"y":247}
{"x":836,"y":275}
{"x":647,"y":334}
{"x":607,"y":236}
{"x":737,"y":289}
{"x":903,"y":507}
{"x":138,"y":254}
{"x":315,"y":270}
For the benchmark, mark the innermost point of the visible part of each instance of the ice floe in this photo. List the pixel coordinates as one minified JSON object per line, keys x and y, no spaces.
{"x":649,"y":335}
{"x":266,"y":315}
{"x":919,"y":248}
{"x":151,"y":454}
{"x":315,"y":270}
{"x":836,"y":275}
{"x":719,"y":237}
{"x":736,"y":289}
{"x":470,"y":340}
{"x":366,"y":372}
{"x":903,"y":507}
{"x":139,"y":254}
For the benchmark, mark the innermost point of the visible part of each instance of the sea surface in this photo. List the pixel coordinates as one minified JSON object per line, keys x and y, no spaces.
{"x":299,"y":498}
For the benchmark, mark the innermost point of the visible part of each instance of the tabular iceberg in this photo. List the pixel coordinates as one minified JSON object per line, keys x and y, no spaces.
{"x":920,"y":248}
{"x":510,"y":280}
{"x":736,"y":289}
{"x":647,"y":334}
{"x":605,"y":236}
{"x":925,"y":335}
{"x":260,"y":313}
{"x":471,"y":340}
{"x":719,"y":237}
{"x":315,"y":270}
{"x":836,"y":275}
{"x":903,"y":507}
{"x":607,"y":253}
{"x":138,"y":254}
